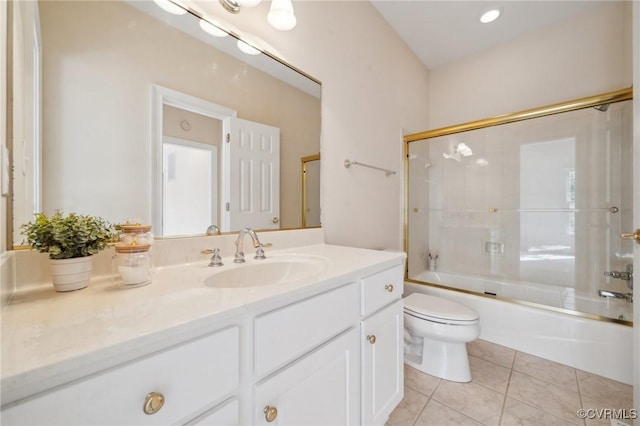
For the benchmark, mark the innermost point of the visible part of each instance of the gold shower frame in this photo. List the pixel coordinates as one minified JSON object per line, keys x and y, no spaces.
{"x":303,"y":173}
{"x":582,"y":103}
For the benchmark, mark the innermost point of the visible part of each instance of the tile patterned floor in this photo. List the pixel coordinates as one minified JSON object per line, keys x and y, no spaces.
{"x":508,"y":388}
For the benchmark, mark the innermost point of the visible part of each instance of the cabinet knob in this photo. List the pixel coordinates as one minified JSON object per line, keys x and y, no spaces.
{"x":389,"y":288}
{"x":270,"y":413}
{"x":371,"y":338}
{"x":275,"y":220}
{"x":153,"y":403}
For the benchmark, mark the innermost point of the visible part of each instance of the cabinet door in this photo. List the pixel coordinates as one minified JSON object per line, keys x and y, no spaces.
{"x":382,"y":364}
{"x":320,"y":389}
{"x":225,"y":414}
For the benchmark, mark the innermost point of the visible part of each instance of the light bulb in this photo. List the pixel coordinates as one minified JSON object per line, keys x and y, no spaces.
{"x":246,"y":48}
{"x":247,"y":3}
{"x":170,"y":7}
{"x":281,"y":15}
{"x":209,"y":28}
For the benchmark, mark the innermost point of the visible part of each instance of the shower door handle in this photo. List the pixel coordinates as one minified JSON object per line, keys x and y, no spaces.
{"x":633,"y":236}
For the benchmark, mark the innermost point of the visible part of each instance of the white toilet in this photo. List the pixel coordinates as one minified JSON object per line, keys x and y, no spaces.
{"x":442,"y":328}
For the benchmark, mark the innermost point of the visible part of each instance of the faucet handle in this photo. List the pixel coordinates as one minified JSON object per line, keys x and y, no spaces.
{"x":216,"y":260}
{"x":260,"y":253}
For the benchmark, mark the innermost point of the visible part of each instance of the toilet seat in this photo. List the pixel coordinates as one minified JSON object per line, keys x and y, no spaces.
{"x":436,"y":309}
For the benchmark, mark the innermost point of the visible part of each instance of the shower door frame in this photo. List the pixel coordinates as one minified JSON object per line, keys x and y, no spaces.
{"x":582,"y":103}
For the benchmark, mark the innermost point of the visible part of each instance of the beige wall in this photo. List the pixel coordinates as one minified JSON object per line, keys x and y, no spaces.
{"x":374,"y":89}
{"x":583,"y":56}
{"x":98,"y":74}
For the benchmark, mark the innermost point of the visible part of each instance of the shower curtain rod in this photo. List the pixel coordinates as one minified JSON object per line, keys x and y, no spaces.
{"x":348,"y":163}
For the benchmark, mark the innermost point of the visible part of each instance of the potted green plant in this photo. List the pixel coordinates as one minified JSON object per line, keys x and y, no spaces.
{"x":69,"y":241}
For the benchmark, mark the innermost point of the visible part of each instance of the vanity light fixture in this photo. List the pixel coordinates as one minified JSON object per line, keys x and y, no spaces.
{"x":280,"y":16}
{"x":170,"y":7}
{"x":490,"y":16}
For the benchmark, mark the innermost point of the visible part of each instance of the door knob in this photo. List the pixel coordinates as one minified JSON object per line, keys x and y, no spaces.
{"x":633,"y":236}
{"x":275,"y":220}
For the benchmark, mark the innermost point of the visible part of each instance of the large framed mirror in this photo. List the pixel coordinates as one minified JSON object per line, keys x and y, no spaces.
{"x":87,"y":136}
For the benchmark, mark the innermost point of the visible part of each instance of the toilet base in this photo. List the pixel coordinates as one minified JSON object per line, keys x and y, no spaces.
{"x":446,"y":360}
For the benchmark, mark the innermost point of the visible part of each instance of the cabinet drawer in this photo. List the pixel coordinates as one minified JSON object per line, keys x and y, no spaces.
{"x":380,"y":289}
{"x":286,"y":333}
{"x":190,"y":377}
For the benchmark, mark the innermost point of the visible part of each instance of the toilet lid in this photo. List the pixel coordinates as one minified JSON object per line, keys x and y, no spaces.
{"x":436,"y":307}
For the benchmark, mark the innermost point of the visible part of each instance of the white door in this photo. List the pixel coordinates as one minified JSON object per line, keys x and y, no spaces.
{"x":253,"y":185}
{"x":320,"y":389}
{"x":382,"y":364}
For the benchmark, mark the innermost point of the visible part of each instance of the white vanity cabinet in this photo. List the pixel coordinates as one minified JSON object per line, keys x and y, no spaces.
{"x":320,"y":389}
{"x":164,"y":388}
{"x":325,"y":351}
{"x":316,"y":343}
{"x":382,"y":373}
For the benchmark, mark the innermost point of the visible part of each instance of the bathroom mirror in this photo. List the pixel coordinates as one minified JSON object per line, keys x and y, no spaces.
{"x":83,"y":78}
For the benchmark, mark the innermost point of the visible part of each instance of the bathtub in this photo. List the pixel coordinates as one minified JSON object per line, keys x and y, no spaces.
{"x":599,"y":347}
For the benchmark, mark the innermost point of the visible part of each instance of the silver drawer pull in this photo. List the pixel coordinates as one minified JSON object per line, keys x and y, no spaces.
{"x":389,"y":288}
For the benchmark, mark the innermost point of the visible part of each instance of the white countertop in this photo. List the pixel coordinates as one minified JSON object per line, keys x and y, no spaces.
{"x":50,"y":338}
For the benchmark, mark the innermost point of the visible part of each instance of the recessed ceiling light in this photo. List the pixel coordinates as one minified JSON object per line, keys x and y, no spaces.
{"x":490,"y":16}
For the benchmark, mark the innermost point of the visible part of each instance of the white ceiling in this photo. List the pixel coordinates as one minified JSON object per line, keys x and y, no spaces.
{"x":441,"y":31}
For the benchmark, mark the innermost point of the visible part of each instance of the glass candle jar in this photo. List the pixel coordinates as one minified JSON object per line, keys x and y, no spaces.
{"x":135,"y":234}
{"x":132,"y":264}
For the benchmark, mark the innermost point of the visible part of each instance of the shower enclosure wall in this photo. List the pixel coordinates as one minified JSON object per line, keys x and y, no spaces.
{"x":528,"y":207}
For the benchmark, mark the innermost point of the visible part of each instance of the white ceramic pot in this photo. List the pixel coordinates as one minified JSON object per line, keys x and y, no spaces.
{"x":70,"y":274}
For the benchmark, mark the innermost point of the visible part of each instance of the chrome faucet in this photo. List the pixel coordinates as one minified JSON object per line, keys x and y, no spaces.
{"x":239,"y":256}
{"x":213,"y":230}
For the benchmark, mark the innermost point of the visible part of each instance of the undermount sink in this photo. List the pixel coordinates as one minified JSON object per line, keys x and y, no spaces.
{"x":276,"y":269}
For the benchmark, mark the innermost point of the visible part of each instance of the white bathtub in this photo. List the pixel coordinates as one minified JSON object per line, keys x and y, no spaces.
{"x":599,"y":347}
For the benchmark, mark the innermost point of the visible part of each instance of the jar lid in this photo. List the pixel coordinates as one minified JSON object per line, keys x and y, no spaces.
{"x":132,"y":248}
{"x":134,"y":229}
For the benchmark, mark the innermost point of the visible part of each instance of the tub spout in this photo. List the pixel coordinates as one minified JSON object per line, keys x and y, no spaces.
{"x":616,"y":295}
